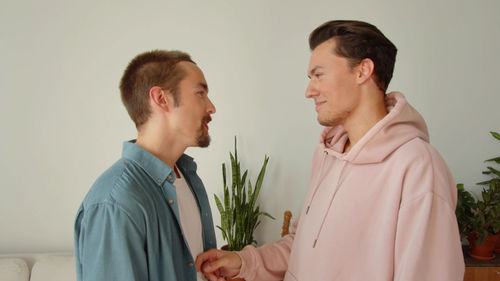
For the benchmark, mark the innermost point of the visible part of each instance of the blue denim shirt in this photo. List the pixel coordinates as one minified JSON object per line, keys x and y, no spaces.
{"x":128,"y":226}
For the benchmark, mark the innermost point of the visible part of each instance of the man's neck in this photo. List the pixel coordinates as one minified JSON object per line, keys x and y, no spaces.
{"x":165,"y":148}
{"x":360,"y":121}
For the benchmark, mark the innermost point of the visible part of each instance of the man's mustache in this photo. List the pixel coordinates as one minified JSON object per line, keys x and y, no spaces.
{"x":206,"y":119}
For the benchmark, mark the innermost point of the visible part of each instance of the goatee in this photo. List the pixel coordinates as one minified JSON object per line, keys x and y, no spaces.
{"x":203,"y":138}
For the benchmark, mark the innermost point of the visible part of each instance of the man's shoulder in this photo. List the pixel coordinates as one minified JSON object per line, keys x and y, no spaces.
{"x":417,"y":150}
{"x":425,"y":169}
{"x":119,"y":184}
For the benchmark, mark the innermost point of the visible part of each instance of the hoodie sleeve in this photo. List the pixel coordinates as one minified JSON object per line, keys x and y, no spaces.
{"x":427,"y":245}
{"x":268,"y":262}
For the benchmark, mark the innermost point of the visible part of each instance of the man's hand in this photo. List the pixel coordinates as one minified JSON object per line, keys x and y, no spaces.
{"x":215,"y":264}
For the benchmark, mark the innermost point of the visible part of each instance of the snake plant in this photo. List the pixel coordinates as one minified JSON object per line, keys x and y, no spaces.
{"x":239,"y":212}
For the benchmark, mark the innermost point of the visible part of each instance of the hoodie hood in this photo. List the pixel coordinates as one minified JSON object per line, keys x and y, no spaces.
{"x":402,"y":124}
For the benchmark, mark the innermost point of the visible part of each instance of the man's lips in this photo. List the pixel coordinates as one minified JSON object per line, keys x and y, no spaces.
{"x":319,"y":104}
{"x":206,"y":120}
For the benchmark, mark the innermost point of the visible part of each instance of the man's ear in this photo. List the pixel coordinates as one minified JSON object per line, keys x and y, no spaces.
{"x":160,"y":98}
{"x":365,"y":70}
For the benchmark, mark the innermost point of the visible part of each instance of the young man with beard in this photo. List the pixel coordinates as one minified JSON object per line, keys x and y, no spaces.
{"x":148,"y":216}
{"x":381,"y":203}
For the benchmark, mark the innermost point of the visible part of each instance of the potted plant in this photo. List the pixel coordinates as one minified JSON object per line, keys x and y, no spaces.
{"x":240,"y":214}
{"x":479,"y":220}
{"x":485,"y":225}
{"x":465,"y":211}
{"x":494,"y":184}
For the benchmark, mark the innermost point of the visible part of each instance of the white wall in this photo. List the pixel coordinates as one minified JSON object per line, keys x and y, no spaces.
{"x":62,"y":122}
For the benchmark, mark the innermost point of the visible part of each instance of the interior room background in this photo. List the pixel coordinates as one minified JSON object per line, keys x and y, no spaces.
{"x":62,"y":122}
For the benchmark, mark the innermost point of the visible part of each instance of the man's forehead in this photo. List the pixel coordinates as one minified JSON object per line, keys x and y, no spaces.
{"x":194,"y":72}
{"x":317,"y":59}
{"x":190,"y":67}
{"x":316,"y":62}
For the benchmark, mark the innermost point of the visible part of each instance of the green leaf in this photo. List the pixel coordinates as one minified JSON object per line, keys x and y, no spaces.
{"x":266,"y":214}
{"x":227,"y":203}
{"x":496,"y":228}
{"x":486,"y":196}
{"x":224,"y":234}
{"x":496,"y":159}
{"x":235,"y":149}
{"x":484,"y":182}
{"x":224,"y":174}
{"x":495,"y":171}
{"x":258,"y":183}
{"x":495,"y":135}
{"x":218,"y":203}
{"x":249,"y":189}
{"x":244,"y":177}
{"x":481,"y":205}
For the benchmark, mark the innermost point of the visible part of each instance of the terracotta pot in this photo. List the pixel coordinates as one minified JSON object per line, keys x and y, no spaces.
{"x":225,"y":248}
{"x":483,"y":251}
{"x":497,"y":246}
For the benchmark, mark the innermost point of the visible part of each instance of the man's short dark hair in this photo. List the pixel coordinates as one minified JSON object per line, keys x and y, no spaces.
{"x":146,"y":70}
{"x":357,"y":40}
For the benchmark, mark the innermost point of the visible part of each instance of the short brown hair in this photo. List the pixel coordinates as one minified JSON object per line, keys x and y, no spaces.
{"x":357,"y":40}
{"x":146,"y":70}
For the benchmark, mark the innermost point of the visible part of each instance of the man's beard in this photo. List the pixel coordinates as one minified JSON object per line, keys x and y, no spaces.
{"x":203,"y":139}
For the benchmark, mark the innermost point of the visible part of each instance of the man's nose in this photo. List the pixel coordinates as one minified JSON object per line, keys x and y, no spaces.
{"x":311,"y":90}
{"x":211,"y":107}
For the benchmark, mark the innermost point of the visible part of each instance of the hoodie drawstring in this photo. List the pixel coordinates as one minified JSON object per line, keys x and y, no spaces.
{"x":318,"y":181}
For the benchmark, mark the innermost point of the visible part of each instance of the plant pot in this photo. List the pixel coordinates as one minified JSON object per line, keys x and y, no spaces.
{"x":483,"y":251}
{"x":225,"y":248}
{"x":497,"y":245}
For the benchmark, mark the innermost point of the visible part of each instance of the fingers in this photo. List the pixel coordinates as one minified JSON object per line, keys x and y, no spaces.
{"x":213,"y":277}
{"x":209,"y":255}
{"x":215,"y":263}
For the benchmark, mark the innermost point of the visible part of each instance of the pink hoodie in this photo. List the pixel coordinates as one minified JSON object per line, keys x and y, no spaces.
{"x":383,"y":211}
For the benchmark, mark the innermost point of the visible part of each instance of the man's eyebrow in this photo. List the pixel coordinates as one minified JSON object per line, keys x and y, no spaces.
{"x":203,"y":85}
{"x":313,"y":71}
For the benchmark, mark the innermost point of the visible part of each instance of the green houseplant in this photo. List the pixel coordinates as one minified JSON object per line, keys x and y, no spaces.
{"x":240,"y":215}
{"x":479,"y":220}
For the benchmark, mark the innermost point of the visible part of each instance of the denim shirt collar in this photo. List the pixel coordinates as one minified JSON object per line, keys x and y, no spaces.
{"x":154,"y":167}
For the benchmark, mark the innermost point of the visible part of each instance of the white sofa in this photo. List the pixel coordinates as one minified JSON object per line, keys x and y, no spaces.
{"x":37,"y":267}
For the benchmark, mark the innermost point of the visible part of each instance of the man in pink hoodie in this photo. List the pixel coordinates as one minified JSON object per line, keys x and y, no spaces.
{"x":381,"y":202}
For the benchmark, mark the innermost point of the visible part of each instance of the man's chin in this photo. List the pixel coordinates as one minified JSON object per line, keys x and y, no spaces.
{"x":204,"y":140}
{"x":329,"y":122}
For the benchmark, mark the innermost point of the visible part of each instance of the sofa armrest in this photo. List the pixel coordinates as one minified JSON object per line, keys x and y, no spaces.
{"x":13,"y":269}
{"x":54,"y":268}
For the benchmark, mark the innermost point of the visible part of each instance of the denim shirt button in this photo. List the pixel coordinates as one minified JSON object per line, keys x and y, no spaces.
{"x":170,"y":201}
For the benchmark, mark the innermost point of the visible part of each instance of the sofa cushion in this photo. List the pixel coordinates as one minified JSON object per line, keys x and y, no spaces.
{"x":54,"y":268}
{"x":13,"y":269}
